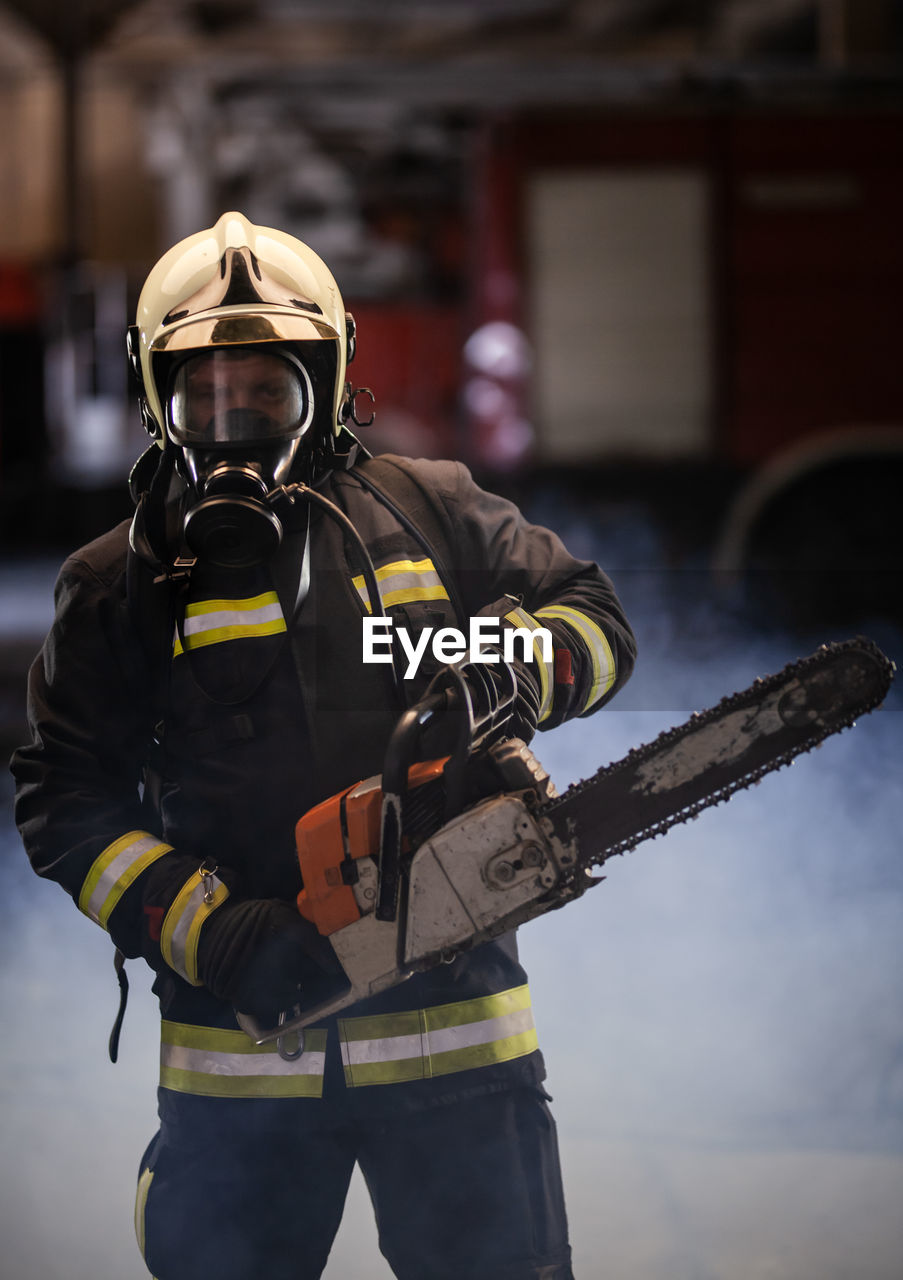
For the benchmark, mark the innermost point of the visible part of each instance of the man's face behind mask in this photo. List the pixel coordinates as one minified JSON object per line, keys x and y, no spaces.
{"x":239,"y":396}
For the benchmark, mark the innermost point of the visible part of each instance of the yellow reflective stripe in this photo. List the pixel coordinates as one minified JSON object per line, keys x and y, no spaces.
{"x":423,"y":1043}
{"x":515,"y":1000}
{"x":209,"y":622}
{"x":519,"y":618}
{"x":218,"y":1063}
{"x":596,"y":642}
{"x":205,"y":1085}
{"x":117,"y":867}
{"x":402,"y":582}
{"x":459,"y":1013}
{"x":182,"y":924}
{"x":144,"y":1183}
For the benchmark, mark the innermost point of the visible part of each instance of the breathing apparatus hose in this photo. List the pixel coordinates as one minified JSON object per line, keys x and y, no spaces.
{"x":283,"y":499}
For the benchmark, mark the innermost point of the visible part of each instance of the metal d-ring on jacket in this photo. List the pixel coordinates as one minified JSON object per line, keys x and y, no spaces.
{"x":268,"y":708}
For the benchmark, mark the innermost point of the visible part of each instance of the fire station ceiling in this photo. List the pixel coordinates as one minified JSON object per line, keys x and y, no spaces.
{"x":327,"y":115}
{"x":481,"y":52}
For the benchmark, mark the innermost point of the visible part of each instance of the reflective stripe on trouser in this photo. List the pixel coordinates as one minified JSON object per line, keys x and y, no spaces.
{"x":115,"y":869}
{"x":596,"y":642}
{"x":521,"y":620}
{"x":421,"y":1043}
{"x":215,"y":1063}
{"x":200,"y":895}
{"x":402,"y":582}
{"x":209,"y":622}
{"x":144,"y":1183}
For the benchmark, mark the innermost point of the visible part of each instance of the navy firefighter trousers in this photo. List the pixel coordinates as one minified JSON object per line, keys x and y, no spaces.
{"x":467,"y":1190}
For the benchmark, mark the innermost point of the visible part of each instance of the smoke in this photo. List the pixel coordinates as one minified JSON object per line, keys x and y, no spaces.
{"x":722,"y":1018}
{"x":727,"y":1063}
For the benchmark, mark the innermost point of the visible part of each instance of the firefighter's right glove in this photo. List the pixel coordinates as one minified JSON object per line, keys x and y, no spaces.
{"x":521,"y":717}
{"x":262,"y":957}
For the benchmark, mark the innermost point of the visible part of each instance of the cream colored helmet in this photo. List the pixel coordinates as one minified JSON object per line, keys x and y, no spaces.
{"x":238,"y":284}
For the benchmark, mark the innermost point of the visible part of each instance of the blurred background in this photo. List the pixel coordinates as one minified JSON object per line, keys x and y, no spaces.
{"x":639,"y":264}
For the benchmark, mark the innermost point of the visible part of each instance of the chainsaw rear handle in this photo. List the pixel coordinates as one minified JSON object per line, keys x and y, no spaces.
{"x":368,"y":953}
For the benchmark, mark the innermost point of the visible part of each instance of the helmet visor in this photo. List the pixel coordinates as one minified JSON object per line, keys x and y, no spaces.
{"x":239,"y":396}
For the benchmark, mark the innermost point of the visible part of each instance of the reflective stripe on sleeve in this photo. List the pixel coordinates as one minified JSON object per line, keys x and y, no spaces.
{"x":402,"y":582}
{"x":519,"y":618}
{"x":214,"y":1063}
{"x":595,"y":641}
{"x":118,"y":867}
{"x":183,"y":921}
{"x":209,"y":622}
{"x":422,"y":1043}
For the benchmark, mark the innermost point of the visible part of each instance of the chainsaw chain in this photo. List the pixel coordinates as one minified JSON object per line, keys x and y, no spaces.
{"x":755,"y":693}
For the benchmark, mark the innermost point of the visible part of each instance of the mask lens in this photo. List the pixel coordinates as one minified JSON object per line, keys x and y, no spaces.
{"x":239,"y":396}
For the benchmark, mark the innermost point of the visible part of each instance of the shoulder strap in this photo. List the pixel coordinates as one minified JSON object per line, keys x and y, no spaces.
{"x":416,"y":507}
{"x":150,"y":617}
{"x":149,"y":609}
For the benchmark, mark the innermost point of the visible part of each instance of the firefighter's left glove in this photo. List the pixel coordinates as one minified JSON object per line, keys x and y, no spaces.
{"x":262,"y":957}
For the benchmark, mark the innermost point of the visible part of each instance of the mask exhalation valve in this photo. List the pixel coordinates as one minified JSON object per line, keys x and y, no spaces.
{"x":232,"y":526}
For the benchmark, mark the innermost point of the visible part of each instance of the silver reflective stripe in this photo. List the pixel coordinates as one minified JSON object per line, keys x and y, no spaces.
{"x":213,"y":1062}
{"x":402,"y":582}
{"x":209,"y":622}
{"x":520,"y":619}
{"x":183,"y":921}
{"x":388,"y":1049}
{"x":442,"y":1040}
{"x":595,"y":641}
{"x":179,"y":1058}
{"x":115,"y":869}
{"x":422,"y":1043}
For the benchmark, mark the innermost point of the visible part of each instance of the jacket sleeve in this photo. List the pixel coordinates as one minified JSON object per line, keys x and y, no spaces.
{"x":523,"y":575}
{"x":79,"y":781}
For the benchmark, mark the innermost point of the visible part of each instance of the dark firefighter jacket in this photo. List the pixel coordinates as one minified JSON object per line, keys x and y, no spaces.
{"x":261,"y":708}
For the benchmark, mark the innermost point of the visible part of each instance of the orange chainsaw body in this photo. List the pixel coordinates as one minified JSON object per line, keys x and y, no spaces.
{"x":336,"y":831}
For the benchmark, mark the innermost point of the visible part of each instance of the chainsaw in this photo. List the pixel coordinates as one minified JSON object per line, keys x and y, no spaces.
{"x":411,"y":868}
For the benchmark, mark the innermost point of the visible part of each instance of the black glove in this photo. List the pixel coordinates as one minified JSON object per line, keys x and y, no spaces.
{"x":525,"y":716}
{"x":489,"y":681}
{"x":263,"y":958}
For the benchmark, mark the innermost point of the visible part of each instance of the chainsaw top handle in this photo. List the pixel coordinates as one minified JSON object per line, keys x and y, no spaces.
{"x":480,"y":705}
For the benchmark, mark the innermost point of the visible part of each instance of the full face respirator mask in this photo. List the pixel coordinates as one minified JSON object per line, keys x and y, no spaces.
{"x":238,"y":416}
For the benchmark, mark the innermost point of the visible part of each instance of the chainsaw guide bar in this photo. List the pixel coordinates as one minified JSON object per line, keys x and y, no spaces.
{"x":722,"y":750}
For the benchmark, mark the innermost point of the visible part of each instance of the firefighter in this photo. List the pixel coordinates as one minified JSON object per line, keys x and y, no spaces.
{"x":202,"y":686}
